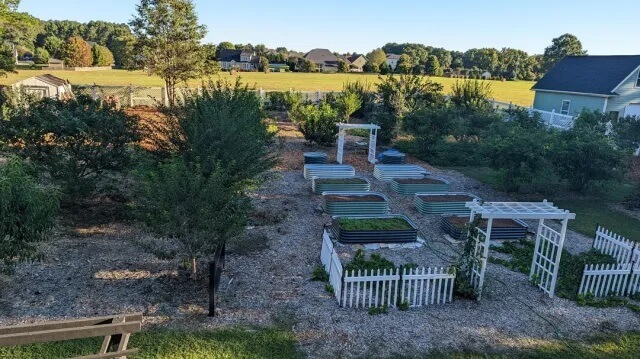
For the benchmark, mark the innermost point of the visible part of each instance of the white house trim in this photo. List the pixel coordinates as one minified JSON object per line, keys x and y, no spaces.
{"x":576,"y":93}
{"x":625,"y":79}
{"x":606,"y":102}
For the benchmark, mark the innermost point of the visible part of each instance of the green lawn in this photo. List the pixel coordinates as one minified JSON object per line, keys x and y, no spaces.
{"x":221,"y":344}
{"x":590,"y":210}
{"x":509,"y":91}
{"x":276,"y":344}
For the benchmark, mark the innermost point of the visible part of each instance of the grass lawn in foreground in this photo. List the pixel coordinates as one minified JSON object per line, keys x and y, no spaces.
{"x":220,"y":344}
{"x":590,"y":210}
{"x":517,"y":92}
{"x":245,"y":344}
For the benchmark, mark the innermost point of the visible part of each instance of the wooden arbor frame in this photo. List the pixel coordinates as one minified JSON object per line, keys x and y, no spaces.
{"x":373,"y":137}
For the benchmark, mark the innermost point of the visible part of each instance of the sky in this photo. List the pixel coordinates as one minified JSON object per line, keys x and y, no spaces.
{"x":604,"y":27}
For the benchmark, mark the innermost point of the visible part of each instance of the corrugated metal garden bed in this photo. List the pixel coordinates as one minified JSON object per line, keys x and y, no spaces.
{"x":441,"y":203}
{"x":315,"y":158}
{"x":355,"y":203}
{"x":328,"y":171}
{"x":389,"y":172}
{"x":393,"y":228}
{"x":501,"y":229}
{"x":411,"y":186}
{"x":349,"y":184}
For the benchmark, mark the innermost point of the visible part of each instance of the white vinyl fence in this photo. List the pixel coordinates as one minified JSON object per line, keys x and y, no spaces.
{"x":386,"y":287}
{"x":552,"y":119}
{"x":619,"y":279}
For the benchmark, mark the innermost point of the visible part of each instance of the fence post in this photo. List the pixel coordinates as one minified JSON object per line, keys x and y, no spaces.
{"x":165,"y":97}
{"x":130,"y":96}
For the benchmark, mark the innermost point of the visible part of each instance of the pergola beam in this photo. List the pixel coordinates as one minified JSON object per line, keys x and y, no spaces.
{"x":373,"y":134}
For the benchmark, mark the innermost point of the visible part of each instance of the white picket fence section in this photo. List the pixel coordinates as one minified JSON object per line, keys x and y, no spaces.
{"x":427,"y":286}
{"x":605,"y":279}
{"x":553,"y":119}
{"x":620,"y":279}
{"x":615,"y":245}
{"x":359,"y":288}
{"x":332,"y":265}
{"x":544,"y":267}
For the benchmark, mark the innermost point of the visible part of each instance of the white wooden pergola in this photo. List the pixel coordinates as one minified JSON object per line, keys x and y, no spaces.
{"x":549,"y":242}
{"x":373,"y":135}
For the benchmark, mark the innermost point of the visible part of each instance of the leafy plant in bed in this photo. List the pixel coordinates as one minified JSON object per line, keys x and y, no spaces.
{"x":355,"y":203}
{"x":501,"y":229}
{"x":380,"y":229}
{"x":350,"y":184}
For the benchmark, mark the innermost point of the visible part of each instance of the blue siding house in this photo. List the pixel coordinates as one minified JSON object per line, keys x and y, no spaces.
{"x":609,"y":84}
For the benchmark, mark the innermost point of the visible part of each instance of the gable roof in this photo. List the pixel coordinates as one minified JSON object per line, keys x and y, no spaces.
{"x":321,"y":56}
{"x":229,"y":55}
{"x":354,"y":57}
{"x":393,"y":56}
{"x":52,"y":80}
{"x":599,"y":75}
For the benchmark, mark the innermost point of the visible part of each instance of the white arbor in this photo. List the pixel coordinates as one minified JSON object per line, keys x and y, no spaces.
{"x":373,"y":135}
{"x":549,"y":242}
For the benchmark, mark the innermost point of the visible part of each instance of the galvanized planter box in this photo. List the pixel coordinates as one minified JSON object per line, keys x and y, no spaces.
{"x":374,"y":236}
{"x":389,"y":172}
{"x":441,"y":203}
{"x":349,"y":184}
{"x":328,"y":171}
{"x":394,"y":158}
{"x":501,"y":229}
{"x":411,"y":186}
{"x":315,"y":158}
{"x":355,"y":203}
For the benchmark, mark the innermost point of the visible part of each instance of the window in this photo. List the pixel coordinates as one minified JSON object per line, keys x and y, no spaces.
{"x":566,"y":105}
{"x":638,"y":80}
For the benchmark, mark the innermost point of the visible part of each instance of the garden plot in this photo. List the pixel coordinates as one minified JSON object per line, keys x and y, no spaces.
{"x":107,"y":268}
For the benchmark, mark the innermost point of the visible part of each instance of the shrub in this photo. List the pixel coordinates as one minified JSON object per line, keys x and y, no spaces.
{"x":347,"y":103}
{"x":102,"y":56}
{"x":284,"y":101}
{"x":40,"y":56}
{"x":429,"y":127}
{"x":200,"y":210}
{"x":222,"y":126}
{"x":27,"y":213}
{"x":406,"y":93}
{"x":626,"y":133}
{"x":582,"y":155}
{"x":367,"y":98}
{"x":388,"y":123}
{"x":74,"y":141}
{"x":317,"y":123}
{"x":471,"y":95}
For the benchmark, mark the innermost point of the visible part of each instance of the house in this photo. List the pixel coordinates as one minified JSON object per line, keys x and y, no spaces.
{"x":324,"y":60}
{"x":45,"y":85}
{"x":392,"y":60}
{"x":238,"y":59}
{"x":610,"y":84}
{"x":486,"y":75}
{"x":54,"y":64}
{"x":356,"y":62}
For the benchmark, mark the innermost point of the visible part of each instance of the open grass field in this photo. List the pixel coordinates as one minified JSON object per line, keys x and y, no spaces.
{"x":517,"y":92}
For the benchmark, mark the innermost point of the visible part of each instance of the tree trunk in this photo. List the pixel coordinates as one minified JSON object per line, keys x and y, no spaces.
{"x":194,"y":268}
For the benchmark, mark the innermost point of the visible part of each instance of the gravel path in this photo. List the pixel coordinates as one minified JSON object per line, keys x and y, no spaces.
{"x":106,"y":269}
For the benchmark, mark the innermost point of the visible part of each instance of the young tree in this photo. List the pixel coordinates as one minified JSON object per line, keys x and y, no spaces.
{"x":168,"y":36}
{"x":40,"y":56}
{"x":263,"y":64}
{"x":432,"y":67}
{"x":305,"y":65}
{"x":376,"y":58}
{"x":348,"y":102}
{"x":343,"y":67}
{"x":560,"y":47}
{"x":405,"y":65}
{"x":27,"y":214}
{"x":77,"y":53}
{"x":101,"y":56}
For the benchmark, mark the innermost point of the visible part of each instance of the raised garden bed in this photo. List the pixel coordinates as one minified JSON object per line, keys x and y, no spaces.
{"x":315,"y":158}
{"x":501,"y":229}
{"x":443,"y":203}
{"x":355,"y":203}
{"x":328,"y":171}
{"x":392,"y":157}
{"x":411,"y":186}
{"x":375,"y":229}
{"x":389,"y":172}
{"x":350,"y":184}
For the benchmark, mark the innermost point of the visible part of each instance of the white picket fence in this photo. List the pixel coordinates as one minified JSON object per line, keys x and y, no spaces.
{"x":553,"y":119}
{"x":427,"y":286}
{"x":619,"y":279}
{"x":388,"y":287}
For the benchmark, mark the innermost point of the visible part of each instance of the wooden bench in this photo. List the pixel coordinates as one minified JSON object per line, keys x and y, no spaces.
{"x":115,"y":329}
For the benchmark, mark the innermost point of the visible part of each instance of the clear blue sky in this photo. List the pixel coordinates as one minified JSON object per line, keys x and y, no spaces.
{"x":604,"y":27}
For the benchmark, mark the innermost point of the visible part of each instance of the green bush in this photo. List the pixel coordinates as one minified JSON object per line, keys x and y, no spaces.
{"x":366,"y":95}
{"x":74,"y":141}
{"x":388,"y":123}
{"x":27,"y":213}
{"x":375,"y":262}
{"x":406,"y":93}
{"x":283,"y":101}
{"x":317,"y":123}
{"x":471,"y":95}
{"x":348,"y":103}
{"x":429,"y":128}
{"x":40,"y":56}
